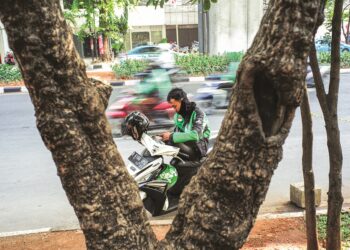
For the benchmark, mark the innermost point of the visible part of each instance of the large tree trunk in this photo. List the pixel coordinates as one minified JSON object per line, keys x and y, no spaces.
{"x":220,"y":205}
{"x":309,"y":179}
{"x":71,"y":120}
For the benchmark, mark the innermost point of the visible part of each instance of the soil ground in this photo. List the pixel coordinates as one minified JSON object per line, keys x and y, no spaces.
{"x":267,"y":234}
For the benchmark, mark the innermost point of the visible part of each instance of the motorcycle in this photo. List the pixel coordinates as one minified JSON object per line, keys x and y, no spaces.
{"x":162,"y":114}
{"x":216,"y":93}
{"x":153,"y":175}
{"x":175,"y":74}
{"x":160,"y":111}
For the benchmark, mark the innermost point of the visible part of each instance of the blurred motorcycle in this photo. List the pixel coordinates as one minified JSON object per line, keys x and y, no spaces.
{"x":176,"y":74}
{"x":216,"y":94}
{"x":149,"y":98}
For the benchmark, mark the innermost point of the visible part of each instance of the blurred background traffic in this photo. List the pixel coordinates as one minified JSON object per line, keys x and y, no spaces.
{"x":156,"y":69}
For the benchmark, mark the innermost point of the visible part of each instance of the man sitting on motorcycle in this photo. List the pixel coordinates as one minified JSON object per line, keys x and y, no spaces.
{"x":191,"y":135}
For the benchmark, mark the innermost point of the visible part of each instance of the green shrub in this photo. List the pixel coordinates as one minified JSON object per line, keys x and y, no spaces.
{"x":199,"y":64}
{"x":325,"y":58}
{"x":345,"y":59}
{"x":9,"y":73}
{"x":234,"y":56}
{"x":344,"y":227}
{"x":128,"y":68}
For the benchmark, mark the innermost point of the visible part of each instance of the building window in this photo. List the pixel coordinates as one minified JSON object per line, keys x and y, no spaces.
{"x":139,"y":38}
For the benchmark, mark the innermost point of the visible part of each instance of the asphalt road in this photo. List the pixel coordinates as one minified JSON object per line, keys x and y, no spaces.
{"x":31,"y":195}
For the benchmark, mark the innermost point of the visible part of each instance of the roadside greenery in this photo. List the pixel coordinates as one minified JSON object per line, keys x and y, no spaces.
{"x":325,"y":58}
{"x":199,"y":64}
{"x":128,"y":68}
{"x":345,"y":227}
{"x":9,"y":73}
{"x":193,"y":64}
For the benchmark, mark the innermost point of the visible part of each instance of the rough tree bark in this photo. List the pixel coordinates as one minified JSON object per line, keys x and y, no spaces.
{"x":70,"y":117}
{"x":329,"y":106}
{"x":218,"y":208}
{"x":225,"y":196}
{"x":309,"y":179}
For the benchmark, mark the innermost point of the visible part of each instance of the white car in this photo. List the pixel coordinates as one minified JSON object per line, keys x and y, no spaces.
{"x":159,"y":54}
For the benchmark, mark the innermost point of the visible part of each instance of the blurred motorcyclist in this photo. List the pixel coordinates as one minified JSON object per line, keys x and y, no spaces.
{"x":152,"y":90}
{"x":191,"y":135}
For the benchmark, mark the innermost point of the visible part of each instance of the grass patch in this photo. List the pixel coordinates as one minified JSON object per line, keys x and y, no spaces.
{"x":325,"y":58}
{"x":344,"y":227}
{"x":9,"y":73}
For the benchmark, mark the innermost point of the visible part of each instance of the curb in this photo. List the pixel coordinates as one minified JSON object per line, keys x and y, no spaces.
{"x":25,"y":232}
{"x":344,"y":70}
{"x":13,"y":89}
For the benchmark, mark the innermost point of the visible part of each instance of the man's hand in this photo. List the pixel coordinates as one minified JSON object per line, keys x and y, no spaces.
{"x":166,"y":136}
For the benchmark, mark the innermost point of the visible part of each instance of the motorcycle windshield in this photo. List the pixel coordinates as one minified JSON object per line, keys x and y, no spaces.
{"x":156,"y":148}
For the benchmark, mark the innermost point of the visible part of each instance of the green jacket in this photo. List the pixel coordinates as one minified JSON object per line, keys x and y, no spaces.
{"x":196,"y":129}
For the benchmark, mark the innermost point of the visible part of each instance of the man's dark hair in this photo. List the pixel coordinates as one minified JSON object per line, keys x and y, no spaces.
{"x":178,"y":94}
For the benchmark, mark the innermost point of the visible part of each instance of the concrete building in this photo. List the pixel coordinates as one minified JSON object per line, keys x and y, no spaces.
{"x":233,"y":24}
{"x":177,"y":21}
{"x":4,"y":46}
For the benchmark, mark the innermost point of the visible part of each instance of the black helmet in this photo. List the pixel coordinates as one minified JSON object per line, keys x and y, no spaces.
{"x":135,"y":124}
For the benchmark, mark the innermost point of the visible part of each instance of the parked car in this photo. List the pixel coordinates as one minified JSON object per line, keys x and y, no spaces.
{"x":325,"y":46}
{"x":159,"y":54}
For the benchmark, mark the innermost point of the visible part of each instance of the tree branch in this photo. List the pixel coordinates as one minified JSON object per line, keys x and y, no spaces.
{"x":332,"y":96}
{"x":309,"y":179}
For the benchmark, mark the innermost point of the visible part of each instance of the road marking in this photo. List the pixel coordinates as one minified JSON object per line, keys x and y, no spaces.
{"x":24,"y":232}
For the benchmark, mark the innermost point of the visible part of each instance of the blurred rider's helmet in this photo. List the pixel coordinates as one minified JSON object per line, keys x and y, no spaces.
{"x":135,"y":124}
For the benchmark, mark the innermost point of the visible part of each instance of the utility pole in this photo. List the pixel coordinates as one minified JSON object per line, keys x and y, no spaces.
{"x":203,"y":29}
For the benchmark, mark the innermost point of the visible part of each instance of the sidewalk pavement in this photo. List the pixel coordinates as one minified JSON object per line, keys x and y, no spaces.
{"x":290,"y":212}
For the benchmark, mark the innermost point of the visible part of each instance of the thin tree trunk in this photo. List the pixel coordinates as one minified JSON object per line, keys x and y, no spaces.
{"x":335,"y":198}
{"x":347,"y":29}
{"x":328,"y":103}
{"x":219,"y":207}
{"x":107,"y":51}
{"x":309,"y":179}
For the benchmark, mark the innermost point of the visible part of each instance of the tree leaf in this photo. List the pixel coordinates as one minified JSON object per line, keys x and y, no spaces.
{"x":206,"y":5}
